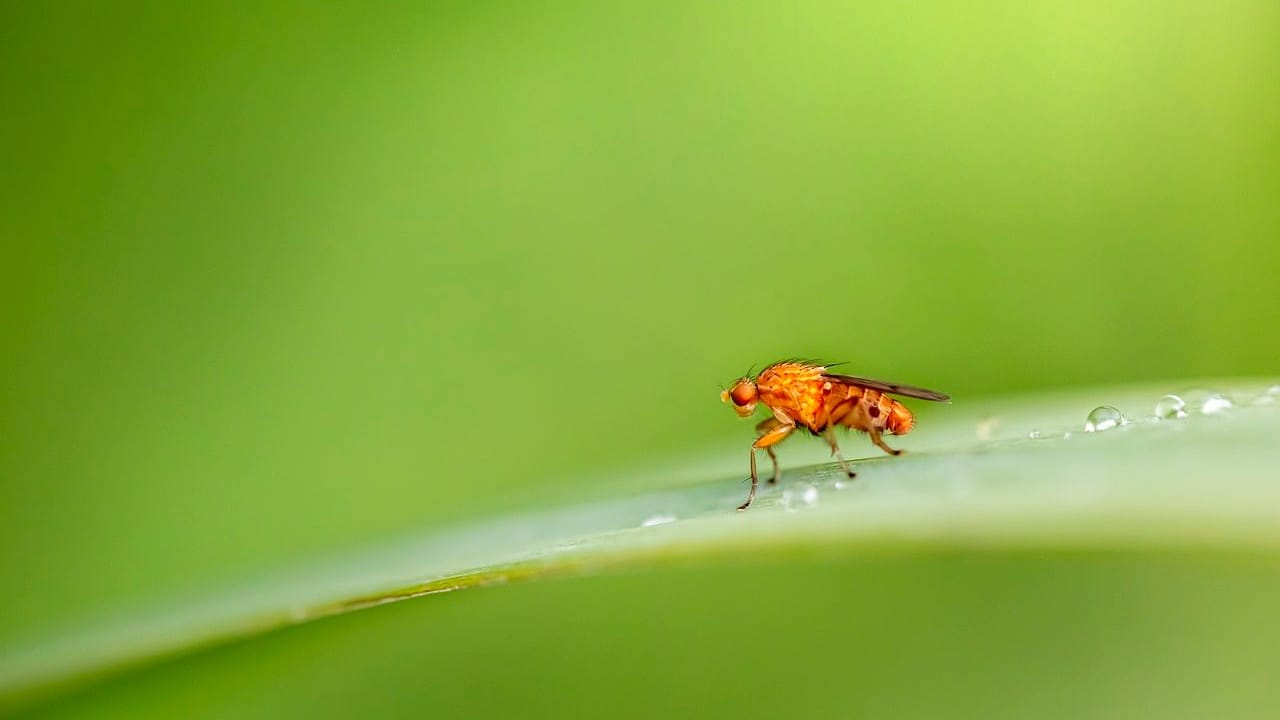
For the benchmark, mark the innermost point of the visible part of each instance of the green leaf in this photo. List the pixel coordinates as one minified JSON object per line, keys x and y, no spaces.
{"x":1010,"y":475}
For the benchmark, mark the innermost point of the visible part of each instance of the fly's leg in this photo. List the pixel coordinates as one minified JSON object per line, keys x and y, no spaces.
{"x":879,"y":441}
{"x":830,"y":435}
{"x":751,"y":494}
{"x":777,"y":472}
{"x":772,"y":437}
{"x":764,"y":427}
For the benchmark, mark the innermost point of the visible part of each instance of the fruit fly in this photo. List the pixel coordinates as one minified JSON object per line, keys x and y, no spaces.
{"x":803,"y":394}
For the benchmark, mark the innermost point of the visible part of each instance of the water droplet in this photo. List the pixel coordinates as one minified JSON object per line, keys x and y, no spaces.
{"x":1103,"y":417}
{"x":838,"y":484}
{"x":658,"y":520}
{"x":1215,"y":404}
{"x":1170,"y":407}
{"x":1206,"y":402}
{"x":1048,"y":435}
{"x":1269,"y":396}
{"x":810,"y":495}
{"x":796,"y":499}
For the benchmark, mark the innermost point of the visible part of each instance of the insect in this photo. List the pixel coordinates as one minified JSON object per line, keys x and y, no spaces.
{"x":803,"y":394}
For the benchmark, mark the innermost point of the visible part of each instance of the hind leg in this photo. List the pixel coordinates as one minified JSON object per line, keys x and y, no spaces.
{"x":879,"y":441}
{"x":830,"y":435}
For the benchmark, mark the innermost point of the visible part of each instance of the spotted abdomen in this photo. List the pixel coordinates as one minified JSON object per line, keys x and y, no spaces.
{"x":876,"y":410}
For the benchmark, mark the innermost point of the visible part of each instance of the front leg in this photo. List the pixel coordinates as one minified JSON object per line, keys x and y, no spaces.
{"x":773,"y":437}
{"x":763,"y":428}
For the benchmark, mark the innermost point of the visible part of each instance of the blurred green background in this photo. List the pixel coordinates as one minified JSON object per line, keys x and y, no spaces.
{"x":283,"y":278}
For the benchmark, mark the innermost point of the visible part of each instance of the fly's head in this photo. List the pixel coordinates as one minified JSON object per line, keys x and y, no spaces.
{"x":742,"y":395}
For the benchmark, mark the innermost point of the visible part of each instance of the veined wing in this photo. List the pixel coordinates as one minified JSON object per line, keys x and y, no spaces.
{"x":891,"y":388}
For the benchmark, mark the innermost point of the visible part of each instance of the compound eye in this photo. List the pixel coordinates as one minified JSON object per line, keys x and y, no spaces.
{"x":743,"y":394}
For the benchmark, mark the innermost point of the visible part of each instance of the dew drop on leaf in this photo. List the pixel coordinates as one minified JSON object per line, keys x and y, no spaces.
{"x":658,"y":520}
{"x":1269,"y":396}
{"x":810,"y":495}
{"x":1103,"y":417}
{"x":1170,"y":407}
{"x":1216,"y":404}
{"x":1206,"y":402}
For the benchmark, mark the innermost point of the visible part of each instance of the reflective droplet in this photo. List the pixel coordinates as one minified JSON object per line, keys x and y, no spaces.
{"x":1269,"y":396}
{"x":658,"y":520}
{"x":1103,"y":417}
{"x":810,"y":495}
{"x":1206,"y":402}
{"x":1215,"y":404}
{"x":838,"y":484}
{"x":1170,"y":407}
{"x":1048,"y":435}
{"x":800,"y":498}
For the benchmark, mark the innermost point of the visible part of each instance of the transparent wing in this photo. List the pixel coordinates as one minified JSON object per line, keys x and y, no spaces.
{"x":891,"y":388}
